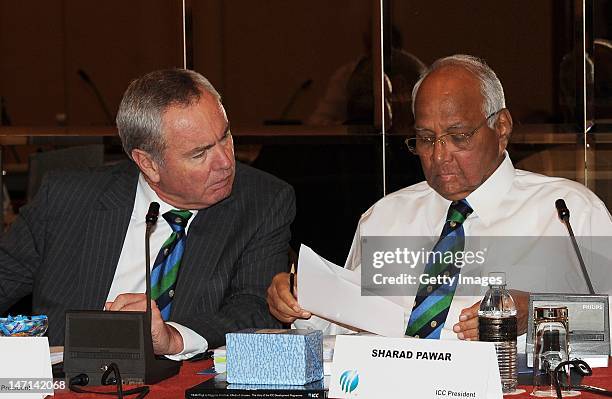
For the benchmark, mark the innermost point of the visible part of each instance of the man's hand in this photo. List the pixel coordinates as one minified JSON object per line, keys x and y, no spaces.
{"x":521,"y":300}
{"x":467,"y":328}
{"x":166,"y":339}
{"x":282,"y":304}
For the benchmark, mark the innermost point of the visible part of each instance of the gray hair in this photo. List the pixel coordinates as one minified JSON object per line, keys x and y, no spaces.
{"x":140,"y":115}
{"x":490,"y":86}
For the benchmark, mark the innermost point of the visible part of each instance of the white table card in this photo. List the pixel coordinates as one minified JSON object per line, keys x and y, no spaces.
{"x":25,"y":368}
{"x":379,"y":367}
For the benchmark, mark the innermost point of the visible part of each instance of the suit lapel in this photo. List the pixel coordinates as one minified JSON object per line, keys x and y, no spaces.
{"x":207,"y":239}
{"x":106,"y":230}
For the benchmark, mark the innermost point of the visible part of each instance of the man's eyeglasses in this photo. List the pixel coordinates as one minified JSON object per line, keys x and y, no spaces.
{"x":461,"y":141}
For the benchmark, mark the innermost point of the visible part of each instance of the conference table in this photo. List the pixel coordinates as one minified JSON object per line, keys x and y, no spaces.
{"x":175,"y":387}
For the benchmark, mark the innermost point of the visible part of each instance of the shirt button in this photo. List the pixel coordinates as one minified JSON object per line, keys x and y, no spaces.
{"x":178,"y":220}
{"x":429,"y":288}
{"x":446,"y":274}
{"x":433,"y":324}
{"x":416,"y":335}
{"x":171,"y":293}
{"x":166,"y":251}
{"x":453,"y":223}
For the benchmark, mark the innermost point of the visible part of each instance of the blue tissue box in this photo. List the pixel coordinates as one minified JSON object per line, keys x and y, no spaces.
{"x":283,"y":357}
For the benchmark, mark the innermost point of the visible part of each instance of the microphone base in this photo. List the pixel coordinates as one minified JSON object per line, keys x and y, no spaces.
{"x":95,"y":339}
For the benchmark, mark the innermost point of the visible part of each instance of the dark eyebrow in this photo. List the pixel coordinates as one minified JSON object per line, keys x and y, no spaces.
{"x":457,"y":125}
{"x":418,"y":130}
{"x":209,"y":146}
{"x":198,"y":150}
{"x":453,"y":126}
{"x":226,"y":131}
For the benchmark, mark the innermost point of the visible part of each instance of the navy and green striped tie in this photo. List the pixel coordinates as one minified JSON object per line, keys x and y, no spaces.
{"x":433,"y":300}
{"x":168,"y":261}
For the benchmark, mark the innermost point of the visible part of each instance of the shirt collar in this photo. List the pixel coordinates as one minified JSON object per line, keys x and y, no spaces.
{"x":486,"y":199}
{"x":145,"y":195}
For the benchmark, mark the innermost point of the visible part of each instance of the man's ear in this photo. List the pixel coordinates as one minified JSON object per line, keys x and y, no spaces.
{"x":503,"y":128}
{"x":147,"y":165}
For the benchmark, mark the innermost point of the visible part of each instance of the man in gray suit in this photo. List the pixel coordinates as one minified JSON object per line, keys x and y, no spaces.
{"x":80,"y":243}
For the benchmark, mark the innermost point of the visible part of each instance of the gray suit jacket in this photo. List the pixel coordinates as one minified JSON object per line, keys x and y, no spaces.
{"x":65,"y":245}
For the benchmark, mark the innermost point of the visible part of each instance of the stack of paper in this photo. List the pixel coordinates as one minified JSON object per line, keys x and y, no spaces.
{"x":219,"y":358}
{"x":329,"y":341}
{"x":57,"y":354}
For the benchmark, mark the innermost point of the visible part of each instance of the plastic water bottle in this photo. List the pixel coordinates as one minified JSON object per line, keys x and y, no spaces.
{"x":497,"y":323}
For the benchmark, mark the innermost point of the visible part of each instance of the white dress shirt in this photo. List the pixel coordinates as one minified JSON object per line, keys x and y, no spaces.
{"x":510,"y":202}
{"x":130,"y":275}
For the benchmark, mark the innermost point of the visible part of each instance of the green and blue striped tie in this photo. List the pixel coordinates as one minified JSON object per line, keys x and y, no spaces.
{"x":168,"y":261}
{"x":433,"y":301}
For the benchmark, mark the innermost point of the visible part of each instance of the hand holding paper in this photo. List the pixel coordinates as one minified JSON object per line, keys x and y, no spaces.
{"x":334,"y":293}
{"x":281,"y":300}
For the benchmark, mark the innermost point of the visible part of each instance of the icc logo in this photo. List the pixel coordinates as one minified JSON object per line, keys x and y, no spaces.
{"x":349,"y":381}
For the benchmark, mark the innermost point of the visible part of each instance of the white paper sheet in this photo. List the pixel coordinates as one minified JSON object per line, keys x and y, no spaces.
{"x":57,"y":354}
{"x":25,"y":359}
{"x":334,"y":293}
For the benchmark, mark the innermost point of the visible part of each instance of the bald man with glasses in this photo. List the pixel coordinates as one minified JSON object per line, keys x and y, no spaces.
{"x":461,"y":132}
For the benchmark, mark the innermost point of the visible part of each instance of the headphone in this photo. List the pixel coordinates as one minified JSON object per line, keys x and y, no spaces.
{"x":83,"y":379}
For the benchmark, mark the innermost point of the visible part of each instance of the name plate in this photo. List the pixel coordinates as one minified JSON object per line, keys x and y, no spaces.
{"x":25,"y":368}
{"x":376,"y":367}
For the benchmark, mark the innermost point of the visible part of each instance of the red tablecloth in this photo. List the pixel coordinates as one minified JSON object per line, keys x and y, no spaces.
{"x":175,"y":387}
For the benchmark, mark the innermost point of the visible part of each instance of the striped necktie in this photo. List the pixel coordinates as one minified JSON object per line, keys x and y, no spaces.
{"x":166,"y":267}
{"x":433,"y":301}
